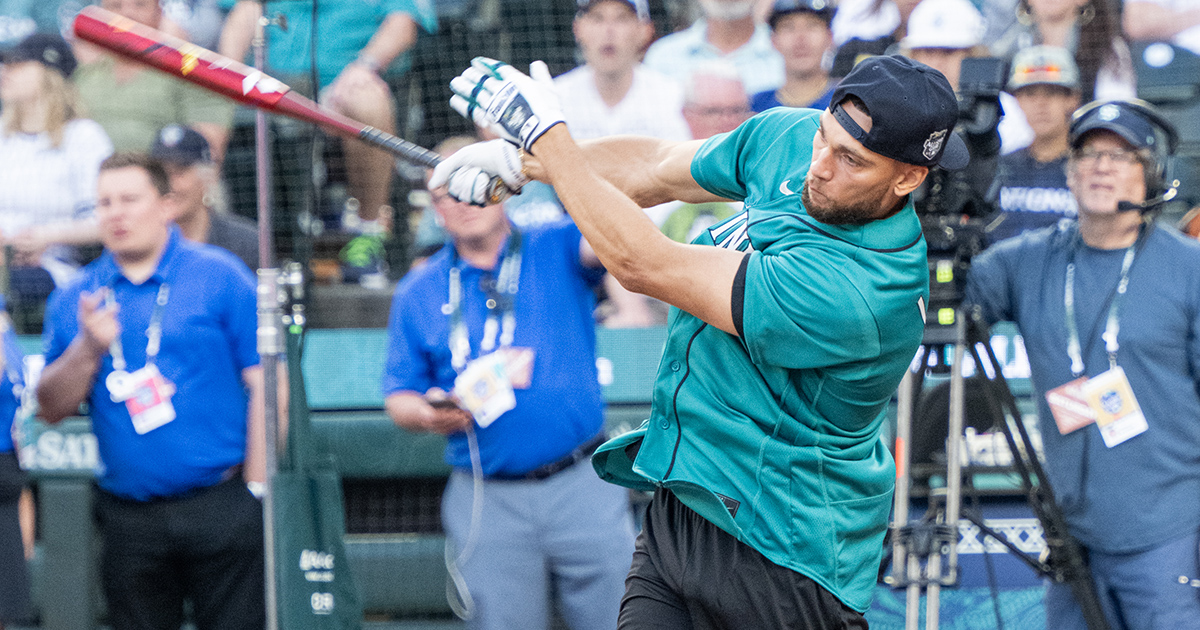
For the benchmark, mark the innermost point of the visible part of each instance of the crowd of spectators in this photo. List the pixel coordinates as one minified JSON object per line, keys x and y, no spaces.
{"x":66,"y":106}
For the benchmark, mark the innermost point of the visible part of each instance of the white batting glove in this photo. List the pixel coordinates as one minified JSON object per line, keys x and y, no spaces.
{"x":496,"y":96}
{"x":482,"y":174}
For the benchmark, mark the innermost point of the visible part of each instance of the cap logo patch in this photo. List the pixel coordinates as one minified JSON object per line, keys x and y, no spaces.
{"x":172,"y":135}
{"x":934,"y":143}
{"x":1108,"y":112}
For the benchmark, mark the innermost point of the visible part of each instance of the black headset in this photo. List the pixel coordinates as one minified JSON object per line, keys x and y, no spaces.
{"x":1165,"y":143}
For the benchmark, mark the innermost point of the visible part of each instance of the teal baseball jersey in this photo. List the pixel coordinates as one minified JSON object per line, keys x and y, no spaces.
{"x":774,"y":435}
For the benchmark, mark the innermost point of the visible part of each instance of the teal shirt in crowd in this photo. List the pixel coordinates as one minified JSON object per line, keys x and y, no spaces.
{"x":774,"y":435}
{"x":343,"y":29}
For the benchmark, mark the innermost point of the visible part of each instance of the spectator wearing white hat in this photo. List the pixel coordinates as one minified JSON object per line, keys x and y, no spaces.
{"x":942,"y":33}
{"x":1033,"y":181}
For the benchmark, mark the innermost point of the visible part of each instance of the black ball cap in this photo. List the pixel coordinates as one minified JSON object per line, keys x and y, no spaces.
{"x":180,"y":145}
{"x":47,"y":48}
{"x":913,"y":110}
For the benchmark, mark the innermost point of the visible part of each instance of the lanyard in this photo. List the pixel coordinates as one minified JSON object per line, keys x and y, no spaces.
{"x":502,"y":300}
{"x":153,"y":332}
{"x":1112,"y":326}
{"x":12,"y":356}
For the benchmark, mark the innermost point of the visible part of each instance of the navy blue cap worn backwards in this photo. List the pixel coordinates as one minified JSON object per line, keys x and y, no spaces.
{"x":912,"y":108}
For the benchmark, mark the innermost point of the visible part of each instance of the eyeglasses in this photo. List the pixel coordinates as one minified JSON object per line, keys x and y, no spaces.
{"x":1091,"y":157}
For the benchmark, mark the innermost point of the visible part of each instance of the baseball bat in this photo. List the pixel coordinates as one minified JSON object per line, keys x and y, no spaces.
{"x":230,"y":78}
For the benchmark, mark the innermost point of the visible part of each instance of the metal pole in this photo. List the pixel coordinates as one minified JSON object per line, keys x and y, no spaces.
{"x":270,"y":341}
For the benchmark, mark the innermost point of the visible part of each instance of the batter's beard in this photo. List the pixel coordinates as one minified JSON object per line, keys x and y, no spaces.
{"x":859,"y":213}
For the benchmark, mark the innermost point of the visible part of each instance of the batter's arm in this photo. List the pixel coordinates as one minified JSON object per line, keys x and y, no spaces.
{"x":647,"y":170}
{"x":600,"y":191}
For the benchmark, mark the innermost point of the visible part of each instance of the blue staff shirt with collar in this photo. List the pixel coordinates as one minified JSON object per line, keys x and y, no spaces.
{"x":209,"y":330}
{"x":563,"y":407}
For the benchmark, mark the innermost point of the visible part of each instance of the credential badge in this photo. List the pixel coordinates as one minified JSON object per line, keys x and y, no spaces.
{"x":934,"y":144}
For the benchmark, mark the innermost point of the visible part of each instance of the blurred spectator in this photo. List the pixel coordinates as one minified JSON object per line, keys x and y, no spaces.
{"x":358,"y":42}
{"x":200,"y":19}
{"x":21,"y":18}
{"x":158,"y":336}
{"x":1033,"y":180}
{"x":197,"y":189}
{"x":714,"y":99}
{"x":15,"y":605}
{"x":49,"y":158}
{"x":1162,"y":20}
{"x":132,"y":101}
{"x":728,"y":31}
{"x":714,"y":103}
{"x":863,"y":28}
{"x":612,"y":92}
{"x":800,"y":32}
{"x":942,"y":33}
{"x":1089,"y":29}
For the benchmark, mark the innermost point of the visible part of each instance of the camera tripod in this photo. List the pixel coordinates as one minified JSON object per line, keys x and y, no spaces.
{"x":925,"y":552}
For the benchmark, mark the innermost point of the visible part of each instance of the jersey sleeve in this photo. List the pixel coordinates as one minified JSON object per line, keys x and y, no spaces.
{"x":801,"y":309}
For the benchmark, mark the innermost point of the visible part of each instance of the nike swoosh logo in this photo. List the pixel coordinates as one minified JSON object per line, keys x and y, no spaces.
{"x":783,"y":188}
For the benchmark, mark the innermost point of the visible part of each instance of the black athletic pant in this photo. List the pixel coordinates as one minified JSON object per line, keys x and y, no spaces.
{"x":688,"y":574}
{"x":206,"y":546}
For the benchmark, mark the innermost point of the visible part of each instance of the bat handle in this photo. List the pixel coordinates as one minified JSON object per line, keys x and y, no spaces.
{"x":398,"y":147}
{"x":497,"y":190}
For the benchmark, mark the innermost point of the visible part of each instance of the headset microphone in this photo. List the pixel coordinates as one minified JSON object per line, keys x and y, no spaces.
{"x":1150,"y":204}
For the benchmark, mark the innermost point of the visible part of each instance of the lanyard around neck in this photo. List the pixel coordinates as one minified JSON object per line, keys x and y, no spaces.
{"x":502,"y":301}
{"x":153,"y":332}
{"x":1113,"y":325}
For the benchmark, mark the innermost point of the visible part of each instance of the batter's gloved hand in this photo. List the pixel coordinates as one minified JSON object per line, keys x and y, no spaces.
{"x":498,"y":97}
{"x":481,"y":174}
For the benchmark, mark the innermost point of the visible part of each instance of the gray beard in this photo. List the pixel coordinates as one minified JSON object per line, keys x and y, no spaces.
{"x":727,"y":11}
{"x":858,"y":214}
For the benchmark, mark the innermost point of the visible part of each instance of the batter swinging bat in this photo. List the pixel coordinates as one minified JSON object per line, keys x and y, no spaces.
{"x":231,"y":79}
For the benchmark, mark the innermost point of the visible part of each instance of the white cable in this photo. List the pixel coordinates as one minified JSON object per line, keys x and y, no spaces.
{"x":458,"y":595}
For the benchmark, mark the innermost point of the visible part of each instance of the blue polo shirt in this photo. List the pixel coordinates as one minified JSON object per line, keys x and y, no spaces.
{"x":209,"y":329}
{"x":10,"y":398}
{"x":562,"y":408}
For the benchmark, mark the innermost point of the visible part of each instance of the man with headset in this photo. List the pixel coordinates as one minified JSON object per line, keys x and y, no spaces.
{"x":1109,"y":306}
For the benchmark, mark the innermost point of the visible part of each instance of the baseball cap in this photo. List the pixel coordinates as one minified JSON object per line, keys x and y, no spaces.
{"x":177,"y":144}
{"x":944,"y":24}
{"x":1043,"y":65}
{"x":50,"y":49}
{"x":1135,"y":121}
{"x":820,"y":8}
{"x":641,"y":8}
{"x":912,"y":107}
